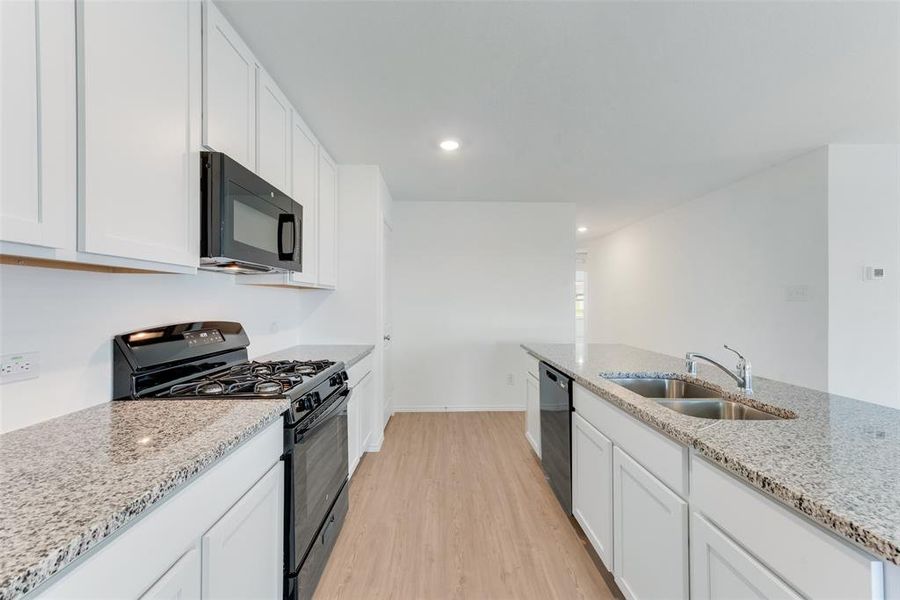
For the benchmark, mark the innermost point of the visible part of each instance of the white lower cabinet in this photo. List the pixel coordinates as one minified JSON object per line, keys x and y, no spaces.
{"x":592,"y":486}
{"x":743,"y":544}
{"x":354,"y":451}
{"x":722,"y":570}
{"x":180,"y":582}
{"x":242,"y":552}
{"x":220,"y":536}
{"x":533,"y":412}
{"x":359,"y":418}
{"x":651,"y":528}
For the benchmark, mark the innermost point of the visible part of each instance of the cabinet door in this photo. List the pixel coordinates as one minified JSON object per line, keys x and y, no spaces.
{"x":140,"y":102}
{"x":366,"y":393}
{"x":533,"y":412}
{"x":242,"y":552}
{"x":180,"y":582}
{"x":722,"y":570}
{"x":273,"y":129}
{"x":651,"y":534}
{"x":353,"y":418}
{"x":304,"y":168}
{"x":592,"y":486}
{"x":328,"y":206}
{"x":229,"y":94}
{"x":37,"y":98}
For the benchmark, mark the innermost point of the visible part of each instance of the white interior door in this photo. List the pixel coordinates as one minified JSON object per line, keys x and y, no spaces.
{"x":387,"y":320}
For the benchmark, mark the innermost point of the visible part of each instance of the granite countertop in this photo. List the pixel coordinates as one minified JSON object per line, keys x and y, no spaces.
{"x":349,"y":354}
{"x":69,"y":483}
{"x":837,"y":461}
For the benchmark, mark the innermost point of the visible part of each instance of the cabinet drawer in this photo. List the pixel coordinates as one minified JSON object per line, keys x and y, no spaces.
{"x":357,"y":372}
{"x":664,"y":458}
{"x":815,"y":563}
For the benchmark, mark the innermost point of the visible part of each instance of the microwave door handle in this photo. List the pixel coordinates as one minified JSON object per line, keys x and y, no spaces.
{"x":283,"y":219}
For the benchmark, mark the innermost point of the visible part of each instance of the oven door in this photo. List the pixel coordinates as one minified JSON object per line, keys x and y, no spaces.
{"x":316,"y":471}
{"x":248,"y":223}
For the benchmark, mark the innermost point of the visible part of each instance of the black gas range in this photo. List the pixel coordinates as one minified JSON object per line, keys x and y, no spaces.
{"x":208,"y":360}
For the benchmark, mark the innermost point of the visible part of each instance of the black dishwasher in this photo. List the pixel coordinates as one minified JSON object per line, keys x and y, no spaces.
{"x":556,"y":433}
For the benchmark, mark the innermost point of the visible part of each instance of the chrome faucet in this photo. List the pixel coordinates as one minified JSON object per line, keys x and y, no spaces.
{"x":743,"y":375}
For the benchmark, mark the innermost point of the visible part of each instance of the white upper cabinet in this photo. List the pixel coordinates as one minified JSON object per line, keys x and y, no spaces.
{"x":328,"y":200}
{"x":140,"y":90}
{"x":37,"y":177}
{"x":273,"y":133}
{"x":229,"y":78}
{"x":304,"y":189}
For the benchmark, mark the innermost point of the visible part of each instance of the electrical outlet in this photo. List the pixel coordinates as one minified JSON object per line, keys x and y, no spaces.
{"x":797,"y":293}
{"x":16,"y":367}
{"x":509,"y":379}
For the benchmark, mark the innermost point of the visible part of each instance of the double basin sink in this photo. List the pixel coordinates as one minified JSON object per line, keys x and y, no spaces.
{"x":691,"y":399}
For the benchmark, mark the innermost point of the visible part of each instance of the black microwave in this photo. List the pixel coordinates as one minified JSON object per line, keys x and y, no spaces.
{"x":248,"y":225}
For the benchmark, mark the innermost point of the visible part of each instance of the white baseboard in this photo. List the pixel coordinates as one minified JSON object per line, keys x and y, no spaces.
{"x":462,"y":408}
{"x":375,"y":445}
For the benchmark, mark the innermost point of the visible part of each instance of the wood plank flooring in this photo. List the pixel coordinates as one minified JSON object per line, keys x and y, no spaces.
{"x":456,"y":506}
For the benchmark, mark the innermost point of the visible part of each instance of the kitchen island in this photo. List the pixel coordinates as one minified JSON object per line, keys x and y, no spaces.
{"x":832,"y":459}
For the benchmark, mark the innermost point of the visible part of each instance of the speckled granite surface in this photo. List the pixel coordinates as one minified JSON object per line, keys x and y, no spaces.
{"x":68,"y":483}
{"x":838,"y":461}
{"x":348,"y":354}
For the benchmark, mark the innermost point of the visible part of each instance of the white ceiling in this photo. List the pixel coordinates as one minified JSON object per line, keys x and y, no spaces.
{"x":623,"y":108}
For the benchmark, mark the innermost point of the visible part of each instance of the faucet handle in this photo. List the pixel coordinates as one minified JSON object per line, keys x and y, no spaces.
{"x":741,"y":360}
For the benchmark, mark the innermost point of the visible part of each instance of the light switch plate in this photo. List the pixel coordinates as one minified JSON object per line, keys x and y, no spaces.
{"x":16,"y":367}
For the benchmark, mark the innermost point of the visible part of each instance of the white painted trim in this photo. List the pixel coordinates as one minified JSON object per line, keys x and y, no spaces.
{"x":375,"y":446}
{"x":461,"y":408}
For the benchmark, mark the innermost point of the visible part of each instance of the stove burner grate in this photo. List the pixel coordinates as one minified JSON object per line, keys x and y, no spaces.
{"x":272,"y":378}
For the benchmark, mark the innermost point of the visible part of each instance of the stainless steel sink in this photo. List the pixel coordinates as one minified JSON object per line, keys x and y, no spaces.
{"x":665,"y":388}
{"x":692,"y":399}
{"x":716,"y":408}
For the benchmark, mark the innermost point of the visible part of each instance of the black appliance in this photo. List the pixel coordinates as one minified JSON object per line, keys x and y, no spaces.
{"x":247,"y":225}
{"x":556,"y":433}
{"x":209,"y":360}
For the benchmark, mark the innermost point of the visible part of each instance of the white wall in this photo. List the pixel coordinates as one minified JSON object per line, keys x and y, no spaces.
{"x":727,"y":267}
{"x":471,"y":281}
{"x":864,"y":230}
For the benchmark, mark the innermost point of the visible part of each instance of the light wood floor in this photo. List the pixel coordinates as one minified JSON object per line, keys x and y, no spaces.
{"x":456,"y":506}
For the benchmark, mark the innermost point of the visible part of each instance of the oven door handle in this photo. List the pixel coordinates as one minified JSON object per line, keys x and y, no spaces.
{"x":322,"y":419}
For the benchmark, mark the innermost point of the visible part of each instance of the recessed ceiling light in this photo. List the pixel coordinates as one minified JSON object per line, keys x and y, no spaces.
{"x":449,"y":145}
{"x":582,"y":229}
